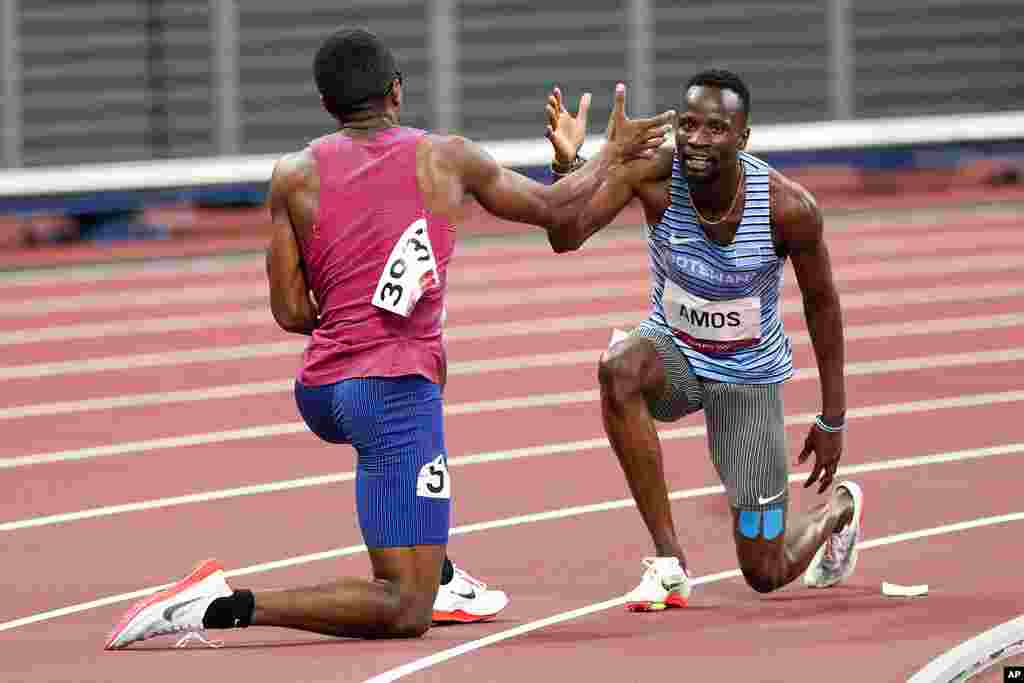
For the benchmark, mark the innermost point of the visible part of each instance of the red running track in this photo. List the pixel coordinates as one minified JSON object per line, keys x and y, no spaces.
{"x":936,"y":341}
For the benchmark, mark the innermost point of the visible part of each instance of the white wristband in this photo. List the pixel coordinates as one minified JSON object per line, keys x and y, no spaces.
{"x":820,"y":424}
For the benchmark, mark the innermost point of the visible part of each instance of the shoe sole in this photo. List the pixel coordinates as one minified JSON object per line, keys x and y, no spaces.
{"x":674,"y":599}
{"x":858,"y":501}
{"x":462,"y":617}
{"x":201,"y":571}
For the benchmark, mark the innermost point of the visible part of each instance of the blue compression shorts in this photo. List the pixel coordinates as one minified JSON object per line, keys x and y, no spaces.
{"x":403,"y":491}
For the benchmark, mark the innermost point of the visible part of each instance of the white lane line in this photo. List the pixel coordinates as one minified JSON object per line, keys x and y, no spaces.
{"x":149,"y":399}
{"x":973,"y":656}
{"x":839,"y":229}
{"x":945,"y":360}
{"x":569,"y":447}
{"x":202,"y":497}
{"x":233,"y":353}
{"x":261,"y":316}
{"x":127,"y":328}
{"x":924,"y":220}
{"x":255,"y":316}
{"x":842,"y":230}
{"x":92,"y":273}
{"x":155,"y":270}
{"x":296,"y":347}
{"x":131,"y":299}
{"x":451,"y":653}
{"x":879,"y":331}
{"x":278,"y":429}
{"x":263,"y":431}
{"x":457,"y":301}
{"x":150,"y":360}
{"x":463,"y":289}
{"x":937,"y":242}
{"x":887,"y":298}
{"x":507,"y":522}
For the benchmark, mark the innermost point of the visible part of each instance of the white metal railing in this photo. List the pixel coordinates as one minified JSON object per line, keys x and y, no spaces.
{"x":236,"y":170}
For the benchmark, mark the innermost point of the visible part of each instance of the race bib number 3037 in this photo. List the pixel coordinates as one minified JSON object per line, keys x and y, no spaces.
{"x":712,"y":326}
{"x":411,"y":270}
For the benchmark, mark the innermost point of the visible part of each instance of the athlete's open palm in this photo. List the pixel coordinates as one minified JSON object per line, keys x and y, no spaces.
{"x":636,"y":137}
{"x":566,"y":131}
{"x":827,"y":448}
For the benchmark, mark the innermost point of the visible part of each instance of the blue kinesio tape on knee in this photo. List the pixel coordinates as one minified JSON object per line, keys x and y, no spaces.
{"x":750,"y":523}
{"x":773,"y":521}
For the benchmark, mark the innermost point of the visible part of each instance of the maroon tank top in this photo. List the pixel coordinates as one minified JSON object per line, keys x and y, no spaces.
{"x":369,"y":197}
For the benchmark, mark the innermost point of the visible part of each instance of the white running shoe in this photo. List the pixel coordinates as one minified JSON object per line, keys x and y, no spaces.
{"x":665,"y":584}
{"x":177,"y":609}
{"x":465,"y":600}
{"x":837,"y":556}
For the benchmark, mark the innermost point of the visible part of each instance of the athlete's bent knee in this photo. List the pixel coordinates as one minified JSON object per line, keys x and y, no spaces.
{"x":624,"y":369}
{"x":410,"y":626}
{"x":402,"y":614}
{"x":761,"y":581}
{"x":413,"y":616}
{"x":761,"y":569}
{"x":409,"y":620}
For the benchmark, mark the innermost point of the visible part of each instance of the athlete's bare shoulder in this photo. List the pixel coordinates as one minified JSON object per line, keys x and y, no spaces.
{"x":293,"y":168}
{"x":449,"y":150}
{"x":795,"y":213}
{"x":442,"y":162}
{"x":294,"y":189}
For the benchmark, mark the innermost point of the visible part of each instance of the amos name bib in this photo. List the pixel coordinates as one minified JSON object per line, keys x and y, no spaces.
{"x":712,"y":326}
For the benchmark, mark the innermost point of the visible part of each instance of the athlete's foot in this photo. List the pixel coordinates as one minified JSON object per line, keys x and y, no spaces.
{"x":664,"y":584}
{"x":669,"y":547}
{"x":837,"y":556}
{"x":466,"y":600}
{"x":178,"y":610}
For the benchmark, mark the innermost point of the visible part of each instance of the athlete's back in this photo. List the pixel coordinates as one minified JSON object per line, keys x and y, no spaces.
{"x":368,"y":199}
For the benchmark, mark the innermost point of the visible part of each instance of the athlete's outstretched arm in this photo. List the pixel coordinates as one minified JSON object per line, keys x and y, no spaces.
{"x":635,"y":179}
{"x":566,"y":133}
{"x":290,"y":301}
{"x":560,"y":208}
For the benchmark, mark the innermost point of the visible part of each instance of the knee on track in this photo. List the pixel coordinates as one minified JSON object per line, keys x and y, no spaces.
{"x":407,"y":615}
{"x":762,"y":580}
{"x":409,"y":626}
{"x":411,"y":618}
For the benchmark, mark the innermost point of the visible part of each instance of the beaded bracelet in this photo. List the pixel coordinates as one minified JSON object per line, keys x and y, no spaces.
{"x":562,"y":171}
{"x":821,"y":424}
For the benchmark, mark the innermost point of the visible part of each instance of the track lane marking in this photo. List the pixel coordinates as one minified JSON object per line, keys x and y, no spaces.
{"x":297,"y":427}
{"x":858,"y":272}
{"x":518,"y":520}
{"x":445,"y":655}
{"x":886,"y":298}
{"x":873,"y":331}
{"x":486,"y":457}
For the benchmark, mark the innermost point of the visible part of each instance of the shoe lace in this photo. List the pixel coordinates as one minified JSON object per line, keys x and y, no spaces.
{"x":829,"y":556}
{"x":476,"y":583}
{"x":652,"y":572}
{"x":186,"y":639}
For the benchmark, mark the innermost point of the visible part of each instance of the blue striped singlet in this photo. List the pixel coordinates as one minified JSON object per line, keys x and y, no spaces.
{"x":721,"y":304}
